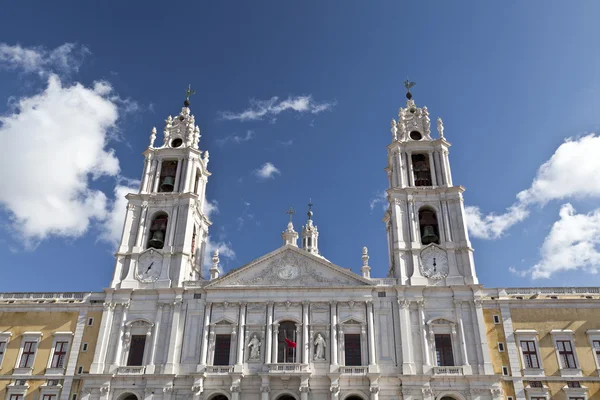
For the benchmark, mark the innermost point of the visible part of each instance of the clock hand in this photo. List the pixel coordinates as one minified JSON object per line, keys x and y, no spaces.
{"x":434,"y":264}
{"x":150,"y":266}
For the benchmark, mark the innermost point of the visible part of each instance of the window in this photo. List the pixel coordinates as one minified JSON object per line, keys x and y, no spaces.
{"x":222,"y":349}
{"x":565,"y":352}
{"x":52,"y":382}
{"x":60,"y":353}
{"x":537,"y":398}
{"x":90,"y":322}
{"x":49,"y":397}
{"x":167,"y":176}
{"x":80,"y":370}
{"x":158,"y":229}
{"x":505,"y":370}
{"x":352,"y":349}
{"x":500,"y":347}
{"x":421,"y":169}
{"x":443,"y":350}
{"x":574,"y":384}
{"x":84,"y":347}
{"x":535,"y":384}
{"x":509,"y":398}
{"x":74,"y":397}
{"x":28,"y":355}
{"x":197,"y":296}
{"x":16,"y":397}
{"x":595,"y":345}
{"x":428,"y":226}
{"x":2,"y":351}
{"x":136,"y":350}
{"x":286,"y":346}
{"x":530,"y":357}
{"x":496,"y":319}
{"x":380,"y":294}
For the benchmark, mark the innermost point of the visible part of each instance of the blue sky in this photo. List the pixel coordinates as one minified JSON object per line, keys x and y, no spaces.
{"x":82,"y":84}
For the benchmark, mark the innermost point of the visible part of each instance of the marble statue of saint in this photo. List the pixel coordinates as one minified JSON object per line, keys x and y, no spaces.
{"x":254,"y":345}
{"x":320,"y":347}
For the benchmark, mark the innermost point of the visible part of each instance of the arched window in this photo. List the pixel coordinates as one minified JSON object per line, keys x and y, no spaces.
{"x":168,"y":171}
{"x":428,"y":226}
{"x":421,"y":170}
{"x":353,"y":398}
{"x":219,"y":397}
{"x":130,"y":397}
{"x":158,"y":229}
{"x":287,"y":342}
{"x":286,"y":397}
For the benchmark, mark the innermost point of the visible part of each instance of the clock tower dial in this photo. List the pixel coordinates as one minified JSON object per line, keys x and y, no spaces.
{"x":434,"y":263}
{"x":149,"y":267}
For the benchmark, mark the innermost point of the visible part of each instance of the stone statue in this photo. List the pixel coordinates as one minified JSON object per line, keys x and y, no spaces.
{"x":254,"y":348}
{"x":320,"y":347}
{"x":440,"y":127}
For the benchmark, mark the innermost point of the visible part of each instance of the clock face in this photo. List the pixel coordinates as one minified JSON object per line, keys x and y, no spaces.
{"x":434,"y":263}
{"x":149,"y":267}
{"x":288,"y":272}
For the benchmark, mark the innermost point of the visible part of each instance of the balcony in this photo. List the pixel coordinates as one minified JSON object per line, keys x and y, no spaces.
{"x":356,"y":371}
{"x":131,"y":370}
{"x":288,"y":368}
{"x":219,"y":369}
{"x":454,"y":371}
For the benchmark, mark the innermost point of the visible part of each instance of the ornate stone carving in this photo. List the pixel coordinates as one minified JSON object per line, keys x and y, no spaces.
{"x":374,"y":389}
{"x":197,"y":389}
{"x":427,"y":392}
{"x":265,"y":389}
{"x":403,"y":303}
{"x":168,"y":389}
{"x":304,"y":389}
{"x":104,"y":390}
{"x":235,"y":389}
{"x":334,"y":388}
{"x":478,"y":303}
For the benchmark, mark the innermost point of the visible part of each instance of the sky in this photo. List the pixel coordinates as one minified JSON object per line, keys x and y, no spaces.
{"x":294,"y":102}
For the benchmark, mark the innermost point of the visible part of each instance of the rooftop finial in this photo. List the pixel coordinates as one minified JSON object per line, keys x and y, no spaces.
{"x":188,"y":93}
{"x":310,"y":213}
{"x":291,"y":213}
{"x":408,"y":84}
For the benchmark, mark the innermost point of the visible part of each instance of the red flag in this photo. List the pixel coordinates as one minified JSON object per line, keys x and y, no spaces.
{"x":290,"y":343}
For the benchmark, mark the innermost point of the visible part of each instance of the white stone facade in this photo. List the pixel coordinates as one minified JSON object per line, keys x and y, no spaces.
{"x":167,"y":333}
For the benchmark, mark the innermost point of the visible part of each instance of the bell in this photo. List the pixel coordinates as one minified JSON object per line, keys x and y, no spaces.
{"x":167,"y":184}
{"x":157,"y":240}
{"x":429,"y":235}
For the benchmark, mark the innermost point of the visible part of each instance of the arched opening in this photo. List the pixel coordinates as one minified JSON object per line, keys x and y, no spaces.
{"x":286,"y":397}
{"x":416,"y":135}
{"x":447,"y":398}
{"x":158,"y":230}
{"x":428,"y":226}
{"x":421,"y":170}
{"x":287,"y":342}
{"x":168,"y":171}
{"x":353,"y":397}
{"x":219,"y":397}
{"x":129,"y":396}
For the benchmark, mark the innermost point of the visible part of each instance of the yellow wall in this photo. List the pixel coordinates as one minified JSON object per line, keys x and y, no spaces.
{"x":33,"y":321}
{"x":495,"y":334}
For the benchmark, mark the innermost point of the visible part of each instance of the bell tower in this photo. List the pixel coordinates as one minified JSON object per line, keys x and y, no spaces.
{"x":165,"y":230}
{"x":425,"y":224}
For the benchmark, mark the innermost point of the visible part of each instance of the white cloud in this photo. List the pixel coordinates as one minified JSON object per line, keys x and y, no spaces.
{"x":225,"y":252}
{"x":63,"y":59}
{"x":267,"y":171}
{"x":571,"y":172}
{"x":492,"y":226}
{"x":61,"y":136}
{"x":111,"y":228}
{"x":260,"y":109}
{"x":235,"y":139}
{"x":572,"y":244}
{"x":379,"y":199}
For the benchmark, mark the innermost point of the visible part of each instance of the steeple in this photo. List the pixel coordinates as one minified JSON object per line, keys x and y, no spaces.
{"x":166,"y":229}
{"x":310,"y":233}
{"x":290,"y":236}
{"x":425,"y":224}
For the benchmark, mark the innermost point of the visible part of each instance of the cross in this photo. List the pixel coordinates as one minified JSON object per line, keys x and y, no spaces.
{"x":408,"y":84}
{"x":310,"y":204}
{"x":290,"y":212}
{"x":189,"y":92}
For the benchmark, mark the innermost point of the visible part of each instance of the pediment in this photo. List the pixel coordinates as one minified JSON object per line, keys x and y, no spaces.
{"x":290,"y":267}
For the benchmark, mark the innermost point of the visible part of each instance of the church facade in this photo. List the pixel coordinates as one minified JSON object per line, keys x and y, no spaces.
{"x":292,"y":324}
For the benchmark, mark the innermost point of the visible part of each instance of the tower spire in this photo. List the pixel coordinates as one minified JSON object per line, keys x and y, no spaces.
{"x":290,"y":236}
{"x":310,"y":233}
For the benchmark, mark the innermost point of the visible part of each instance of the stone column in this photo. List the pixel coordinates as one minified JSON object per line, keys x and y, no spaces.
{"x":461,"y":331}
{"x":172,"y":225}
{"x":173,"y":339}
{"x":411,"y":174}
{"x":423,"y":329}
{"x":204,"y":352}
{"x":334,"y":345}
{"x":335,"y":390}
{"x":157,"y":176}
{"x":147,"y":169}
{"x":141,"y":225}
{"x":176,"y":187}
{"x":275,"y":343}
{"x":188,"y":168}
{"x":408,"y":363}
{"x":371,"y":328}
{"x":104,"y":332}
{"x":432,"y":169}
{"x":235,"y":393}
{"x":241,"y":338}
{"x":305,"y":345}
{"x":264,"y":392}
{"x":158,"y":318}
{"x":487,"y":362}
{"x":121,"y":338}
{"x":374,"y":392}
{"x":269,"y":334}
{"x":447,"y":164}
{"x":304,"y":392}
